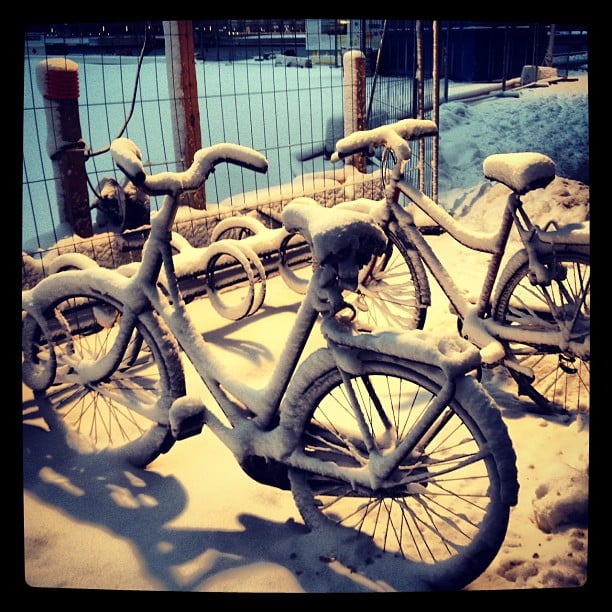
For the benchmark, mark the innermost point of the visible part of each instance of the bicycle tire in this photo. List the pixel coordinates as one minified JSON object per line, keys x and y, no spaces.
{"x":562,"y":381}
{"x":449,"y":524}
{"x":122,"y":409}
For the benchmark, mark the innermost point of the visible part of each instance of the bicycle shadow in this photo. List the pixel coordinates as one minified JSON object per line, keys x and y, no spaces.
{"x":502,"y":388}
{"x":137,"y":505}
{"x":257,"y":352}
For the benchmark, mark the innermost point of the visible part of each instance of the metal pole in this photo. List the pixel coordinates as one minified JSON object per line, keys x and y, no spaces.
{"x":420,"y":99}
{"x":376,"y":70}
{"x":436,"y":111}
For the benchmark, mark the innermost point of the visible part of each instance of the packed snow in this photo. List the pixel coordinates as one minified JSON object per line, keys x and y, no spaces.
{"x":193,"y":521}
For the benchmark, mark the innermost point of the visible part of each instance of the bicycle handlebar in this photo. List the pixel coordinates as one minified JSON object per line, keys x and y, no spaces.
{"x":128,"y":158}
{"x":392,"y":135}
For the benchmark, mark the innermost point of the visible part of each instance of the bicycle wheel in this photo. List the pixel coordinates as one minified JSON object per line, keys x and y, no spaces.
{"x":104,"y":399}
{"x":444,"y":510}
{"x":562,"y":380}
{"x":393,"y":288}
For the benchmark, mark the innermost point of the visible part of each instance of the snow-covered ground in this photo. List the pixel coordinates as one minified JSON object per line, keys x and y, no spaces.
{"x":194,"y":521}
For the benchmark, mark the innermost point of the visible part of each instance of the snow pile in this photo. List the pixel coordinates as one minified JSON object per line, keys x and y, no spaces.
{"x":563,"y":201}
{"x":562,"y":499}
{"x":552,"y":120}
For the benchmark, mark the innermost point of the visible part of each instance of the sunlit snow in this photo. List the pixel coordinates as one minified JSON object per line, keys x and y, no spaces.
{"x":194,"y":521}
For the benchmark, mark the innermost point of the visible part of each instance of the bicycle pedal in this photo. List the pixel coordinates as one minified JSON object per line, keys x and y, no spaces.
{"x":187,"y":417}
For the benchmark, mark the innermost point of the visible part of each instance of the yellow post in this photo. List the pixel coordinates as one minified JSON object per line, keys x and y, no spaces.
{"x":58,"y":81}
{"x":354,"y":89}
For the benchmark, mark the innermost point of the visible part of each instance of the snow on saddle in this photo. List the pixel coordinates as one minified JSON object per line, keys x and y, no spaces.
{"x":341,"y":242}
{"x":341,"y":237}
{"x":521,"y":172}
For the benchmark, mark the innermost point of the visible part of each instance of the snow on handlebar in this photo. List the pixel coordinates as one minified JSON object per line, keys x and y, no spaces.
{"x":393,"y":135}
{"x":128,"y":158}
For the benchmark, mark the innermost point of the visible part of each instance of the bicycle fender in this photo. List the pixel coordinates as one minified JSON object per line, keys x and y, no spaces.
{"x":453,"y":355}
{"x":293,"y":405}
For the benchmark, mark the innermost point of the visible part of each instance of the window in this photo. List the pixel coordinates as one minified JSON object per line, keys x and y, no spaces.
{"x":334,"y":26}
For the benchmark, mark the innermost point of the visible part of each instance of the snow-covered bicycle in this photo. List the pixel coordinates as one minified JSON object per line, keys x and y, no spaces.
{"x":533,"y":313}
{"x":387,"y":441}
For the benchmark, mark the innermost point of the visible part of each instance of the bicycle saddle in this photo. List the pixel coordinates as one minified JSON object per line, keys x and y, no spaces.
{"x":341,"y":242}
{"x":334,"y":234}
{"x":521,"y":172}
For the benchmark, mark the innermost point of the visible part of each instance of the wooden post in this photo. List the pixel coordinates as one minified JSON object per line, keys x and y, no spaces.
{"x":183,"y":88}
{"x":58,"y":81}
{"x":354,"y":66}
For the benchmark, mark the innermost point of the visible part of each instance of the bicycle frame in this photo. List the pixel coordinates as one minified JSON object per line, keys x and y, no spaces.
{"x":263,"y":403}
{"x":379,"y":434}
{"x":253,"y":413}
{"x":482,"y":331}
